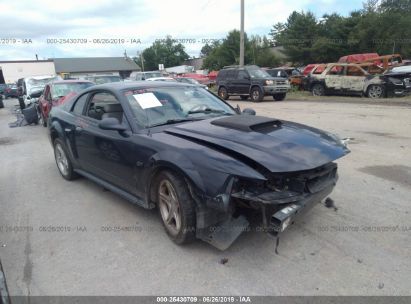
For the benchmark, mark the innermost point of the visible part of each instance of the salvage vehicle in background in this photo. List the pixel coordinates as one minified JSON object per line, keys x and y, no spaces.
{"x":56,"y":93}
{"x":29,"y":86}
{"x":205,"y":165}
{"x":352,"y":79}
{"x":3,"y":88}
{"x":167,"y":79}
{"x":190,"y":81}
{"x":10,"y":91}
{"x":294,"y":76}
{"x":136,"y":76}
{"x":100,"y":79}
{"x":250,"y":81}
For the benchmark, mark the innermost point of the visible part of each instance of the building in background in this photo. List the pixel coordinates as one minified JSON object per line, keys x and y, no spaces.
{"x":10,"y":71}
{"x":91,"y":66}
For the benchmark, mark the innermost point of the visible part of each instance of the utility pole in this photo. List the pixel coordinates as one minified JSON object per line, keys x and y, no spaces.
{"x":242,"y":35}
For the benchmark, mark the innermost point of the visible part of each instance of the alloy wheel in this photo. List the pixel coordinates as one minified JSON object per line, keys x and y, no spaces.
{"x":61,"y":159}
{"x":169,"y":207}
{"x":375,"y":91}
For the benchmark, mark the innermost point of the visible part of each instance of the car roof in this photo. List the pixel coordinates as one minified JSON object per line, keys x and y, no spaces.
{"x":71,"y":81}
{"x":119,"y":86}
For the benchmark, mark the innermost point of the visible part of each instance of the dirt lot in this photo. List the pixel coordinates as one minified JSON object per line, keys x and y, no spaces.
{"x":363,"y":248}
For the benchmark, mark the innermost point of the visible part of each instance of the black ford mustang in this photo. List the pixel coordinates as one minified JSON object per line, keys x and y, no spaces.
{"x":203,"y":164}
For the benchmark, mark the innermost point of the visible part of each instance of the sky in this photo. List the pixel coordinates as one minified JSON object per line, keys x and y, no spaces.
{"x":99,"y":28}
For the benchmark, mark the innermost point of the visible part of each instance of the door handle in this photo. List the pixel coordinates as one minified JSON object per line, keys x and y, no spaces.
{"x":79,"y":130}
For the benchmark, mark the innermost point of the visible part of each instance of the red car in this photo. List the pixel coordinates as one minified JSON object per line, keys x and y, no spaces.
{"x":57,"y":92}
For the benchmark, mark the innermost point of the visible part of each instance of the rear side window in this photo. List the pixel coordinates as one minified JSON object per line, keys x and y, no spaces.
{"x":243,"y":75}
{"x":79,"y":106}
{"x":231,"y":74}
{"x":222,"y":74}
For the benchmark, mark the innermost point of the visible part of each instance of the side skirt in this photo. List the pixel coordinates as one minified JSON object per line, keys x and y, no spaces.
{"x":124,"y":194}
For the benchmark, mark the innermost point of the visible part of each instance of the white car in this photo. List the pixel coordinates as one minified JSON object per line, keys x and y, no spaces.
{"x":161,"y":79}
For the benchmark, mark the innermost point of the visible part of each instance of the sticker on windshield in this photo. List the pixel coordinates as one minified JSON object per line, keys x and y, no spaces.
{"x":147,"y":100}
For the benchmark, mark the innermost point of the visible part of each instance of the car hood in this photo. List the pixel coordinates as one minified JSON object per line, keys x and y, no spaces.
{"x":278,"y":146}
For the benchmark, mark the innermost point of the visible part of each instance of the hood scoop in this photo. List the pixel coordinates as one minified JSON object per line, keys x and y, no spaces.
{"x":248,"y":123}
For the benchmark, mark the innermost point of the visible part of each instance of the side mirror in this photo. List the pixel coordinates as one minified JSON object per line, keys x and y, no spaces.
{"x":248,"y":111}
{"x":111,"y":123}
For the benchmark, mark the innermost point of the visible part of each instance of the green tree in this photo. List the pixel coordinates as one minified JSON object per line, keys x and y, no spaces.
{"x":165,"y":51}
{"x":297,"y":36}
{"x":227,"y":52}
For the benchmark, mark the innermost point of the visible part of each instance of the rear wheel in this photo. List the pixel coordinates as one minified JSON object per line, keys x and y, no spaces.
{"x":318,"y":90}
{"x":256,"y":94}
{"x":176,"y":207}
{"x":279,"y":97}
{"x":63,"y":161}
{"x":375,"y":91}
{"x":222,"y":92}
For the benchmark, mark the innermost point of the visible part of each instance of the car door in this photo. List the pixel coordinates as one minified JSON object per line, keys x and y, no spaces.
{"x":354,"y":80}
{"x":229,"y":79}
{"x":45,"y":101}
{"x":334,"y":78}
{"x":241,"y":82}
{"x":106,"y":154}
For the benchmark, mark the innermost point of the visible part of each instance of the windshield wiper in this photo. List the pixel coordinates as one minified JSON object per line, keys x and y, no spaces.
{"x":207,"y":110}
{"x":173,"y":121}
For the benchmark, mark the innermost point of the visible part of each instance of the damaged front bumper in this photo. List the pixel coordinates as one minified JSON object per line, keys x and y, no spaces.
{"x":278,"y":209}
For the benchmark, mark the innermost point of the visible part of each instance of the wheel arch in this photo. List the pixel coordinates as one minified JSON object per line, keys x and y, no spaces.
{"x":192,"y":178}
{"x":256,"y":85}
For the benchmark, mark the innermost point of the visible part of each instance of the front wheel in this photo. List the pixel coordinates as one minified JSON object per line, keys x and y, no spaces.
{"x":256,"y":94}
{"x":63,"y":161}
{"x":223,"y":93}
{"x":279,"y":97}
{"x":375,"y":91}
{"x":176,"y":207}
{"x":318,"y":90}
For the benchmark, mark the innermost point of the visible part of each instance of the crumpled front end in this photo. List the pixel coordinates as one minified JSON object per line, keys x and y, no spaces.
{"x":285,"y":197}
{"x":276,"y":203}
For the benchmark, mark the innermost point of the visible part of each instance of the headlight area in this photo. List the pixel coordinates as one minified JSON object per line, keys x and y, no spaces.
{"x":282,"y":198}
{"x":395,"y":81}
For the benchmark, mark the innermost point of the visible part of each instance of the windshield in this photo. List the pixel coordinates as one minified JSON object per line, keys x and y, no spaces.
{"x":258,"y":73}
{"x":106,"y":79}
{"x":167,"y":105}
{"x":63,"y":89}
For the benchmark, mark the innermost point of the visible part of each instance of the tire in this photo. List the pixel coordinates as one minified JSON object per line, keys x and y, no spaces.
{"x":375,"y":91}
{"x":279,"y":97}
{"x":256,"y":94}
{"x":244,"y":97}
{"x":318,"y":90}
{"x":172,"y":194}
{"x":21,"y":103}
{"x":63,"y":161}
{"x":1,"y":103}
{"x":223,"y":93}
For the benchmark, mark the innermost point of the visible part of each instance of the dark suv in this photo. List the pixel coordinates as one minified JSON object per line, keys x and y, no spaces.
{"x":250,"y":81}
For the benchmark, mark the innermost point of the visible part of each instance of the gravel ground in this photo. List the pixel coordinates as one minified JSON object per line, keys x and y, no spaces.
{"x":363,"y":248}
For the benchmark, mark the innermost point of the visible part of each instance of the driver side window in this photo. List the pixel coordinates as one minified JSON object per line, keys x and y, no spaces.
{"x":104,"y":105}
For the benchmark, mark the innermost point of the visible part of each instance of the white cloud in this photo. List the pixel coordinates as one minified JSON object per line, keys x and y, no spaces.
{"x":146,"y":20}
